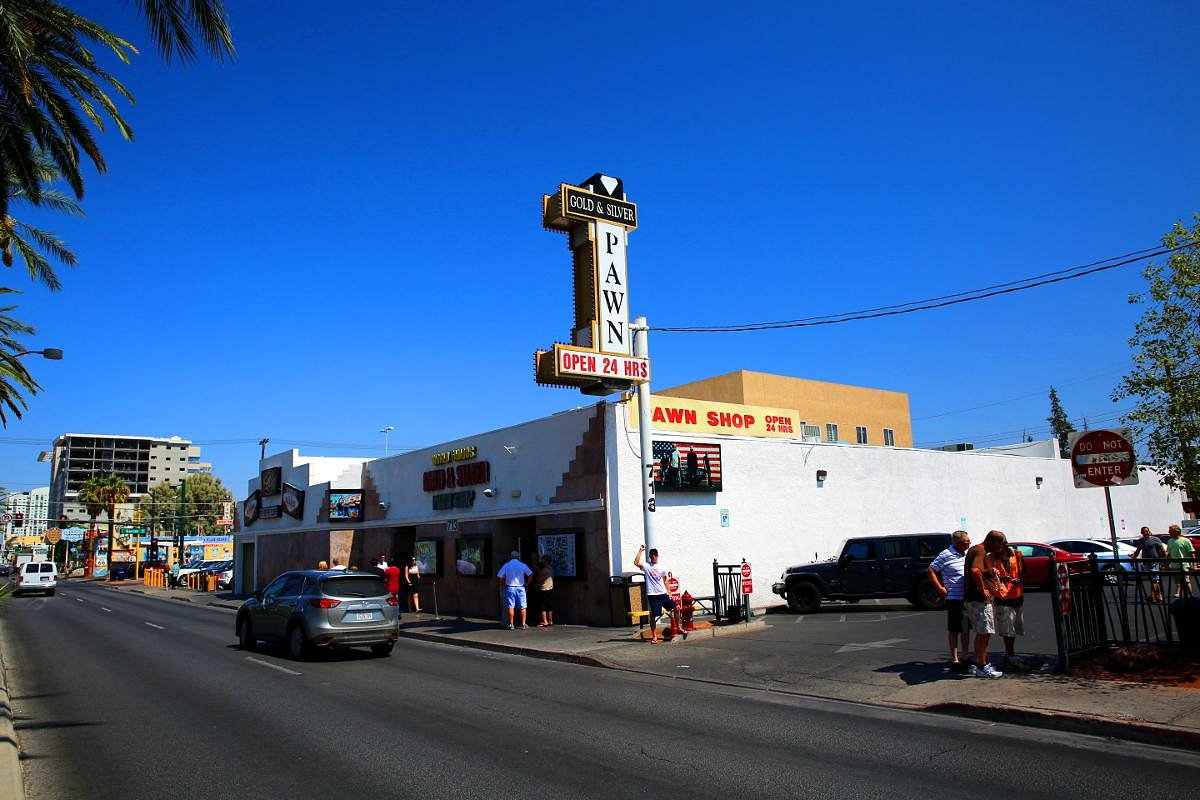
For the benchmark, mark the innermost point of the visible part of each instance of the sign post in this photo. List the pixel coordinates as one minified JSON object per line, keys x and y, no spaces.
{"x":1103,"y":459}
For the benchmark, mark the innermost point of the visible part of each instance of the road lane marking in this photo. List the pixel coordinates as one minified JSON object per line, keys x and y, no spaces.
{"x":152,"y":625}
{"x":109,"y":610}
{"x":800,"y":618}
{"x":77,"y":600}
{"x":260,"y":662}
{"x":842,"y":618}
{"x":854,"y":647}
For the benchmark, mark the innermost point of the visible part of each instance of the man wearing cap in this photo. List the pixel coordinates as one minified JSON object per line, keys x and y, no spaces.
{"x":514,"y":575}
{"x":656,"y":588}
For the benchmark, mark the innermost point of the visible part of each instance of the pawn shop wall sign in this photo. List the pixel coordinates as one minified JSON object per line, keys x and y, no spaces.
{"x":598,"y":358}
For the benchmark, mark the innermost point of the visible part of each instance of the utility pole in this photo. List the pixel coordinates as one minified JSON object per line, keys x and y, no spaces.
{"x":385,"y":431}
{"x":180,"y":525}
{"x":262,"y":453}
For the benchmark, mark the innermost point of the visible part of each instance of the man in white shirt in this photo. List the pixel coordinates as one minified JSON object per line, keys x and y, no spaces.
{"x":514,"y":575}
{"x":656,"y":588}
{"x":946,"y":573}
{"x":338,"y":566}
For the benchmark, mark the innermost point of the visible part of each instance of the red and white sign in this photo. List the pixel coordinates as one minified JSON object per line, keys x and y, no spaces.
{"x":1103,"y":458}
{"x":745,"y":570}
{"x":579,"y":362}
{"x":672,"y":585}
{"x":1064,"y":589}
{"x":747,"y":580}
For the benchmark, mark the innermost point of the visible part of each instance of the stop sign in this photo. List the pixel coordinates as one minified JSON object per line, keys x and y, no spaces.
{"x":1103,"y":458}
{"x":672,"y":584}
{"x":745,"y":570}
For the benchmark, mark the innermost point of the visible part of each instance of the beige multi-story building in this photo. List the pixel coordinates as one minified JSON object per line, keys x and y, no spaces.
{"x":838,"y":412}
{"x":141,"y":461}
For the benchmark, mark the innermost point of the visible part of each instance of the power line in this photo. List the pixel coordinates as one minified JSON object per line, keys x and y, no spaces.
{"x":1017,"y":397}
{"x":942,"y":301}
{"x":1091,"y":420}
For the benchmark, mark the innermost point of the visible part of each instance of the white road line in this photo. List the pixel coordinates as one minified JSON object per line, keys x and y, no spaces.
{"x":272,"y":666}
{"x":109,"y":610}
{"x":842,"y":618}
{"x":152,"y":625}
{"x":800,"y":618}
{"x":77,"y":600}
{"x":882,"y":617}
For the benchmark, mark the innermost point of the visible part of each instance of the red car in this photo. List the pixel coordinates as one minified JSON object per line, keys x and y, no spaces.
{"x":1037,"y":557}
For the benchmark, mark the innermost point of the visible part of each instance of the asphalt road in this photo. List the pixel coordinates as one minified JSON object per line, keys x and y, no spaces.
{"x":123,"y":696}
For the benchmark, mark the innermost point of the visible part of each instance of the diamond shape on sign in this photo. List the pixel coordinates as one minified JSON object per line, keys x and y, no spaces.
{"x":610,"y":184}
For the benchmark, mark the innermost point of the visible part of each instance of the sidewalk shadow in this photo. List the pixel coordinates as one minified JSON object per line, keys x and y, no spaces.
{"x":915,"y":673}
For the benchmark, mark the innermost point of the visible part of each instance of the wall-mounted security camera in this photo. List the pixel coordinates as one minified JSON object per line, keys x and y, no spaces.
{"x":490,"y":491}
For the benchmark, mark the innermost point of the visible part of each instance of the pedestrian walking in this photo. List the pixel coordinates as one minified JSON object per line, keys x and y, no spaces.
{"x":1148,"y":551}
{"x":392,"y":576}
{"x":946,"y":573}
{"x":656,"y":588}
{"x":514,"y":576}
{"x":1182,"y":553}
{"x":175,"y":575}
{"x":1008,"y":564}
{"x":412,"y":583}
{"x":978,"y":602}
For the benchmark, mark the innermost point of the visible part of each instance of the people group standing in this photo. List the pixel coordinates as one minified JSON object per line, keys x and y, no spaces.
{"x":979,"y":601}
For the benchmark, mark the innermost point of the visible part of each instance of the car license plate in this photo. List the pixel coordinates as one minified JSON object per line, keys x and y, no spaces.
{"x":364,"y":616}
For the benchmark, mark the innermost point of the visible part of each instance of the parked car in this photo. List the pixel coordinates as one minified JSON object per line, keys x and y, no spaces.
{"x":1040,"y":560}
{"x":224,"y":573}
{"x":867,"y":567}
{"x":1102,"y":549}
{"x":5,"y":570}
{"x":309,"y":609}
{"x":41,"y":576}
{"x":196,"y":566}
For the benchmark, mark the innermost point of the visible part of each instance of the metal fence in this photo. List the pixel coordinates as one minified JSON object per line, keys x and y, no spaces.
{"x":1098,"y":604}
{"x":730,"y":604}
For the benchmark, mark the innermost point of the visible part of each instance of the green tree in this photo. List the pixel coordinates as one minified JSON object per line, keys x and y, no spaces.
{"x":107,"y":491}
{"x":1059,"y":423}
{"x":52,"y":87}
{"x":29,"y":241}
{"x":203,"y":496}
{"x":1165,"y":379}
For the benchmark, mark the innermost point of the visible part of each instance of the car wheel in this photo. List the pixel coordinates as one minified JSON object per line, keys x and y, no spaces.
{"x":382,"y":650}
{"x":246,"y":638}
{"x":50,"y":593}
{"x":297,"y":643}
{"x":803,"y":597}
{"x":927,"y":598}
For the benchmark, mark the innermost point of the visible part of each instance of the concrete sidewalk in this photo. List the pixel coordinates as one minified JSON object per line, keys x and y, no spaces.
{"x":1146,"y":713}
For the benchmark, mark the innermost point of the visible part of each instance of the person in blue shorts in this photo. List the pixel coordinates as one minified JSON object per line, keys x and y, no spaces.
{"x":656,"y":588}
{"x":515,"y":575}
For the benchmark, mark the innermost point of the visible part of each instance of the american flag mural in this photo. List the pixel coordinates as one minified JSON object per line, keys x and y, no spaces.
{"x":687,"y":467}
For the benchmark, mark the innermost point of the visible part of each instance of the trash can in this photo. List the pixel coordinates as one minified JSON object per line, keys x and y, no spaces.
{"x":1186,"y":611}
{"x":627,"y":593}
{"x":119,"y":572}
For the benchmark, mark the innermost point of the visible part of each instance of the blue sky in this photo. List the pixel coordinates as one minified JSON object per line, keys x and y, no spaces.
{"x":341,"y":231}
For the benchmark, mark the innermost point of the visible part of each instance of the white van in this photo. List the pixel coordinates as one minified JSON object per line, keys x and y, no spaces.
{"x":39,"y":576}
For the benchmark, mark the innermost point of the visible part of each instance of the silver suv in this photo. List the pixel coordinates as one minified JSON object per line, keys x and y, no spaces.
{"x":310,"y":609}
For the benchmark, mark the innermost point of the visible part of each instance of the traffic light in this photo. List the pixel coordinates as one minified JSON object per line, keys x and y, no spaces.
{"x":18,"y":520}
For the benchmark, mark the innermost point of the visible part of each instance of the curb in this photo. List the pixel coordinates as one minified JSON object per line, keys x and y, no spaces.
{"x":10,"y":752}
{"x":528,"y":652}
{"x":1127,"y":730}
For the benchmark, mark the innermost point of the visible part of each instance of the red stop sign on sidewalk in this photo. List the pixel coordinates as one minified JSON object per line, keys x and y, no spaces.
{"x":1103,"y":458}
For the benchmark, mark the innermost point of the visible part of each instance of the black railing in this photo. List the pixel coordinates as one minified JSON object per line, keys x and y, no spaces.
{"x":730,"y":604}
{"x":1121,"y":602}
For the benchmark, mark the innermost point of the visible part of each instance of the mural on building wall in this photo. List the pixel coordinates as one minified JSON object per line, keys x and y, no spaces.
{"x":687,"y":467}
{"x":428,"y":555}
{"x":346,"y":506}
{"x":563,"y":549}
{"x":472,"y":556}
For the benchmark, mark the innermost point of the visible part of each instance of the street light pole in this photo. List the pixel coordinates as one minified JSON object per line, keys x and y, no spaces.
{"x":50,"y":353}
{"x":385,"y":432}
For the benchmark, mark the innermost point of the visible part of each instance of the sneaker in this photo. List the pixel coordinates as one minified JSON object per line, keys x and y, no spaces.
{"x":524,"y":627}
{"x":1016,"y":663}
{"x":510,"y":627}
{"x":987,"y":671}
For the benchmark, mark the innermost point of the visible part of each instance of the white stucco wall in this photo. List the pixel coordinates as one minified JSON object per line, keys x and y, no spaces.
{"x":780,"y":516}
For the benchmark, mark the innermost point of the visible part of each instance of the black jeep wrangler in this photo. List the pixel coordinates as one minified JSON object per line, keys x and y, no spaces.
{"x":867,"y":567}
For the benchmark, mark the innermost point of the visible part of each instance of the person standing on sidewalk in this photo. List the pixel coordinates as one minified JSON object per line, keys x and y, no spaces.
{"x":391,"y":575}
{"x":1147,"y":551}
{"x":1182,"y":553}
{"x":1009,"y":567}
{"x":656,"y":588}
{"x":175,"y":574}
{"x":514,"y":575}
{"x":543,"y":590}
{"x":946,"y":574}
{"x":978,"y":596}
{"x":412,"y":584}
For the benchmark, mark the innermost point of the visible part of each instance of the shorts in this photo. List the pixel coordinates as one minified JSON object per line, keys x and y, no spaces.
{"x":545,"y":598}
{"x":1010,"y":620}
{"x":514,"y":597}
{"x":1153,"y":569}
{"x":982,"y":616}
{"x":954,"y":616}
{"x":658,"y":602}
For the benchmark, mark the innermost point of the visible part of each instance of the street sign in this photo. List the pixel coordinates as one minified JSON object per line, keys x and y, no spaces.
{"x":73,"y":535}
{"x":1103,"y":458}
{"x":5,"y":517}
{"x":53,"y":535}
{"x":745,"y":570}
{"x":672,"y":585}
{"x":1064,"y":589}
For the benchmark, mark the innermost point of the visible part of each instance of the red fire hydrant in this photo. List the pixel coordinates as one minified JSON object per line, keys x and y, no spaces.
{"x":687,"y":608}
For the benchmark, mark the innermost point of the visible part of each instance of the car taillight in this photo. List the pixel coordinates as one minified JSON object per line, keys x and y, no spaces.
{"x":323,"y":602}
{"x":392,"y":601}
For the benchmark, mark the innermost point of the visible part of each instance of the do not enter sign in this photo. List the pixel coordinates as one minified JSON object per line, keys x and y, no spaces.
{"x":672,"y":585}
{"x":1103,"y":458}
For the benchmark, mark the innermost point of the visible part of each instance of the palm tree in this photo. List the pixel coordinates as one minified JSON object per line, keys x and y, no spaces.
{"x":51,"y":85}
{"x":28,"y":240}
{"x":108,"y":491}
{"x":14,"y":378}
